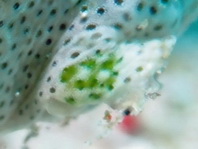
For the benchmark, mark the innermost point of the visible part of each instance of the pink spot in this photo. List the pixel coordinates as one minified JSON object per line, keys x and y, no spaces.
{"x":130,"y":124}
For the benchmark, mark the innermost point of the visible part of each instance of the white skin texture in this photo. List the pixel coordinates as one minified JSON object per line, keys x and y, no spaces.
{"x":61,"y":58}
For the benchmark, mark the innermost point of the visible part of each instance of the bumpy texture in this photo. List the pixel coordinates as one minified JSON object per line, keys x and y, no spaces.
{"x":64,"y":57}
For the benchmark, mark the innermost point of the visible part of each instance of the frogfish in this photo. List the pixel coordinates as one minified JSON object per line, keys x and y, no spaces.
{"x":61,"y":58}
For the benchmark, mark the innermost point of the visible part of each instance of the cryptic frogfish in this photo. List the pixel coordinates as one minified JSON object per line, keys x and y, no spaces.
{"x":60,"y":58}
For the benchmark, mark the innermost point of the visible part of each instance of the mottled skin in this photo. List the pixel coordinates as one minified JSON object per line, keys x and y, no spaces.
{"x":63,"y":57}
{"x":29,"y":34}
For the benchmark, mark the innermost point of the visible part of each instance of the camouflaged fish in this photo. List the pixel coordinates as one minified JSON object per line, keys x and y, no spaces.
{"x":61,"y":58}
